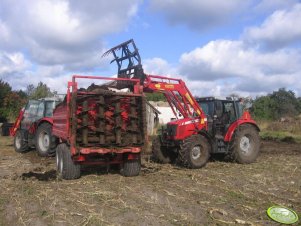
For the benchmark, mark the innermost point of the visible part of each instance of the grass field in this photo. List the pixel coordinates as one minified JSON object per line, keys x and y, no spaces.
{"x":222,"y":193}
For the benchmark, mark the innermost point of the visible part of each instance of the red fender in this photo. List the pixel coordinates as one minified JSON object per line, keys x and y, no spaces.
{"x":33,"y":128}
{"x":246,"y":118}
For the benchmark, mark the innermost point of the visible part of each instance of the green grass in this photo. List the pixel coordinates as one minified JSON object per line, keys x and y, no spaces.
{"x":287,"y":131}
{"x":280,"y":136}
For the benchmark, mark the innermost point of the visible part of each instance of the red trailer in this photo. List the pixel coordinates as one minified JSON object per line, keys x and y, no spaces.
{"x":99,"y":126}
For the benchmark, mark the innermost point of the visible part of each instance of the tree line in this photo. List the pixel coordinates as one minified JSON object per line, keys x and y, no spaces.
{"x":11,"y":101}
{"x":280,"y":103}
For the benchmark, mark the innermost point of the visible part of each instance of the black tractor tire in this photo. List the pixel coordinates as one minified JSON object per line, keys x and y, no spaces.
{"x":245,"y":144}
{"x":131,"y":168}
{"x":20,"y":141}
{"x":44,"y":140}
{"x":194,"y":152}
{"x":66,"y":168}
{"x":160,"y":153}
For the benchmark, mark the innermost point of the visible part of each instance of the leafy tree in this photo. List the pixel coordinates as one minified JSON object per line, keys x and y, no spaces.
{"x":286,"y":103}
{"x":5,"y":89}
{"x":263,"y":108}
{"x":41,"y":91}
{"x":22,"y":94}
{"x":30,"y":90}
{"x":279,"y":104}
{"x":13,"y":102}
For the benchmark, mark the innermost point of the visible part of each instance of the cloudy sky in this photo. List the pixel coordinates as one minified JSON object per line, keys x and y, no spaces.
{"x":247,"y":47}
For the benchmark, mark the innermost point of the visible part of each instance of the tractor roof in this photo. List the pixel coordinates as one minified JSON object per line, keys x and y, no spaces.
{"x":199,"y":99}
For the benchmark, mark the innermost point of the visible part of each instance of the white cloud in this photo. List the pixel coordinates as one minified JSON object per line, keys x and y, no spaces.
{"x":225,"y":58}
{"x":199,"y":14}
{"x":272,"y":5}
{"x":247,"y":68}
{"x":49,"y":40}
{"x":280,"y":29}
{"x":158,"y":66}
{"x":61,"y":31}
{"x":11,"y":63}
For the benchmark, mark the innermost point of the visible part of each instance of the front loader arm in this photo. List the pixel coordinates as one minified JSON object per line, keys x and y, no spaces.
{"x":128,"y":60}
{"x":16,"y":126}
{"x":176,"y":93}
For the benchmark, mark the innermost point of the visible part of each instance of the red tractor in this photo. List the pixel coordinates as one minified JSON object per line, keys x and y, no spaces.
{"x":204,"y":126}
{"x":33,"y":127}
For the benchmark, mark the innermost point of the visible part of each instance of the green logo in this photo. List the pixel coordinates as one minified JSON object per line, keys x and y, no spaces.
{"x":282,"y":215}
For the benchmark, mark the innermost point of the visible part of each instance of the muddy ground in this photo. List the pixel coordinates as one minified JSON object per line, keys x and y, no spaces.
{"x":222,"y":193}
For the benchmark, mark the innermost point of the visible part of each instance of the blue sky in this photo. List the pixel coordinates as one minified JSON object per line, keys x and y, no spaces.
{"x":246,"y":47}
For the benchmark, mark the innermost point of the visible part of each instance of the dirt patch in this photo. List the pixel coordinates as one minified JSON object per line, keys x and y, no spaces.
{"x":222,"y":193}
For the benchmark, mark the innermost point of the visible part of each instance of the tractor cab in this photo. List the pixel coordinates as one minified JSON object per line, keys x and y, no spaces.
{"x":38,"y":109}
{"x":221,"y":113}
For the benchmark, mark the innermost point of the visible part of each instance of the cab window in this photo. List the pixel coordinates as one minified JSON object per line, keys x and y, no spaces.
{"x":50,"y":105}
{"x":41,"y":108}
{"x":208,"y":107}
{"x":229,"y":109}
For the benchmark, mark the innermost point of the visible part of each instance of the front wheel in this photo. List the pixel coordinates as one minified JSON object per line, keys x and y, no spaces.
{"x":20,"y":141}
{"x":245,"y":144}
{"x":160,"y":153}
{"x":44,"y":144}
{"x":194,"y":152}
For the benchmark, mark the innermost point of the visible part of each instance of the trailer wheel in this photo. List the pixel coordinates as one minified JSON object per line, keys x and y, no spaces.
{"x":194,"y":152}
{"x":245,"y":144}
{"x":66,"y":168}
{"x":131,"y":168}
{"x":20,"y":142}
{"x":44,"y":144}
{"x":161,"y":154}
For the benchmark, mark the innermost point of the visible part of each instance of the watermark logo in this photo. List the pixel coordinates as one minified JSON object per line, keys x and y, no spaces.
{"x":282,"y":215}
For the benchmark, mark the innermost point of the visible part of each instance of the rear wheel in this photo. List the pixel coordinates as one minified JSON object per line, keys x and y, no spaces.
{"x":66,"y":168}
{"x":44,"y":144}
{"x":245,"y":144}
{"x":160,"y":153}
{"x":131,"y":168}
{"x":20,"y":141}
{"x":194,"y":152}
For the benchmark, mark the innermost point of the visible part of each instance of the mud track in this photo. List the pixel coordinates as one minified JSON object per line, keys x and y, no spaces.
{"x":222,"y":193}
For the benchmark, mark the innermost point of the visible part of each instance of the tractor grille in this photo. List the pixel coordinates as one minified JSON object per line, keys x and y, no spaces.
{"x":171,"y":130}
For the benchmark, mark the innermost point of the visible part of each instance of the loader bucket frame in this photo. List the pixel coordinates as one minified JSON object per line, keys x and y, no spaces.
{"x":128,"y":61}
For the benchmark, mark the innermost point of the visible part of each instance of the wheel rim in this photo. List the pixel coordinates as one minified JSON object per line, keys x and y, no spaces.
{"x":44,"y":141}
{"x":196,"y":152}
{"x":18,"y":141}
{"x":245,"y":145}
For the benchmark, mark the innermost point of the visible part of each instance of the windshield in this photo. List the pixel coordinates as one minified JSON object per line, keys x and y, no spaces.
{"x":208,"y":107}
